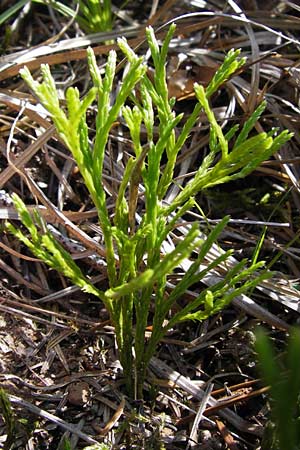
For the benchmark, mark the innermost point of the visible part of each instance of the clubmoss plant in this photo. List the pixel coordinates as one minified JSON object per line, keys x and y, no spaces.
{"x":137,"y":266}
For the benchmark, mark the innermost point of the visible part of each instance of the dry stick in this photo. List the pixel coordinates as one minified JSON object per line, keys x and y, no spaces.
{"x":236,"y":399}
{"x":164,"y":371}
{"x":193,"y":439}
{"x":48,"y":416}
{"x":17,"y":254}
{"x":226,"y":403}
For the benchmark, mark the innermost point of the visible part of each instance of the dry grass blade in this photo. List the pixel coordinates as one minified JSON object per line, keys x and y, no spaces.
{"x":10,"y":171}
{"x":51,"y":417}
{"x":18,"y":313}
{"x":193,"y":439}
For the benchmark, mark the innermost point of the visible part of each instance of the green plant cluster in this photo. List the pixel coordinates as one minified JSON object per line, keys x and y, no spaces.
{"x":93,"y":16}
{"x":137,"y":268}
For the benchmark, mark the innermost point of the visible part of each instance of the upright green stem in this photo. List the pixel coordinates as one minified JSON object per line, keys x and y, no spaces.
{"x":142,"y":305}
{"x":108,"y":239}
